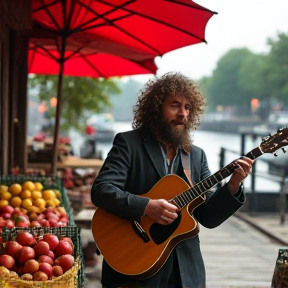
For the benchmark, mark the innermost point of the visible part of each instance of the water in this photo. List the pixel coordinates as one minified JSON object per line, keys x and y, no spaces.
{"x":211,"y":143}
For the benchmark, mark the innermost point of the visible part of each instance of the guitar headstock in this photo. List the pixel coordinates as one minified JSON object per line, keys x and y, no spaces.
{"x":272,"y":143}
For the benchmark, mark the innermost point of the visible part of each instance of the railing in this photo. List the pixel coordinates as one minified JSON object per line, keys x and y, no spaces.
{"x":281,"y":177}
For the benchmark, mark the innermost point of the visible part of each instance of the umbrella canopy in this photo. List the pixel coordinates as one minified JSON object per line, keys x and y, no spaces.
{"x":109,"y":37}
{"x":89,"y":65}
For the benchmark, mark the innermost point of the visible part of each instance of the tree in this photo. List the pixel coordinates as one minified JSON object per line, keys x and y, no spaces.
{"x":81,"y":95}
{"x":278,"y":67}
{"x":224,"y":87}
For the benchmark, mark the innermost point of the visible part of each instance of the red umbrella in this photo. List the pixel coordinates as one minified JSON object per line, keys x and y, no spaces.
{"x":109,"y":37}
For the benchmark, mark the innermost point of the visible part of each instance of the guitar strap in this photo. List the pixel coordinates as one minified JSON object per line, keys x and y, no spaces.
{"x":186,"y":166}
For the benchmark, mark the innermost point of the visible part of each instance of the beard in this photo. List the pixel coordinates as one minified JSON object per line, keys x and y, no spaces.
{"x":174,"y":135}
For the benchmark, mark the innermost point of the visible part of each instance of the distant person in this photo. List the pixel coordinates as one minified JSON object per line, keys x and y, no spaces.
{"x":166,"y":112}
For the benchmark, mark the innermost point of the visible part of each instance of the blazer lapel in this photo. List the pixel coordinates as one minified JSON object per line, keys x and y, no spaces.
{"x":154,"y":151}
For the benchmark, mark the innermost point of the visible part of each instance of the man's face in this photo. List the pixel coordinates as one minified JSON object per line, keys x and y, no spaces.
{"x":172,"y":128}
{"x":175,"y":112}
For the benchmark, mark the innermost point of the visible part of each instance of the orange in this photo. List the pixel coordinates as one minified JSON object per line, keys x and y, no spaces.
{"x":25,"y":194}
{"x":36,"y":194}
{"x":5,"y":195}
{"x":15,"y":201}
{"x":39,"y":202}
{"x":4,"y":203}
{"x":15,"y":189}
{"x":38,"y":186}
{"x":28,"y":185}
{"x":48,"y":194}
{"x":26,"y":203}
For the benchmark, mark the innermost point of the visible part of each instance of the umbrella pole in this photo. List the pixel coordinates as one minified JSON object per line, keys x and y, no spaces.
{"x":58,"y":112}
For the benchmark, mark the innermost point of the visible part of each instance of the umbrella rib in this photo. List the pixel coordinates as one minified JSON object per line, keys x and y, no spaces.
{"x":195,"y":7}
{"x":44,"y":6}
{"x":50,"y":15}
{"x":92,"y":66}
{"x":47,"y":52}
{"x":111,"y":22}
{"x":156,"y":20}
{"x":97,"y":16}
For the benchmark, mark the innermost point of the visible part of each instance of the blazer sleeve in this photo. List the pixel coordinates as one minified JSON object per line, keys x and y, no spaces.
{"x":220,"y":204}
{"x":108,"y":189}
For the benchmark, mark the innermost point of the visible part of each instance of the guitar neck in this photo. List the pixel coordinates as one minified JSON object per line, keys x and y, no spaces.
{"x":186,"y":197}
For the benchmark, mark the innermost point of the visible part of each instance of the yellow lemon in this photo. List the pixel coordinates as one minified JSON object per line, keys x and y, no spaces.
{"x":3,"y":203}
{"x":36,"y":194}
{"x":39,"y":202}
{"x":5,"y":195}
{"x":34,"y":209}
{"x":15,"y":189}
{"x":28,"y":185}
{"x":25,"y":194}
{"x":3,"y":188}
{"x":15,"y":201}
{"x":26,"y":203}
{"x":57,"y":193}
{"x":48,"y":194}
{"x":51,"y":203}
{"x":38,"y":186}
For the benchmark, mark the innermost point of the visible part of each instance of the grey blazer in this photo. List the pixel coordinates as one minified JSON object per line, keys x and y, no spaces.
{"x":133,"y":165}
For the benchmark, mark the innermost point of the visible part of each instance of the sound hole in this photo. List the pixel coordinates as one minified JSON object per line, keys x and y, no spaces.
{"x":159,"y":233}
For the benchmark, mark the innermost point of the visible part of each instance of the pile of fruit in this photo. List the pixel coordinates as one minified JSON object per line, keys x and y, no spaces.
{"x":30,"y":205}
{"x":36,"y":258}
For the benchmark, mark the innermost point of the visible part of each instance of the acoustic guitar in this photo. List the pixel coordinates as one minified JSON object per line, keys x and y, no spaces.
{"x":139,"y":249}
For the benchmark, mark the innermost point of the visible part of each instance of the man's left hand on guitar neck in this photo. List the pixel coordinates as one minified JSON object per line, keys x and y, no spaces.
{"x":244,"y":166}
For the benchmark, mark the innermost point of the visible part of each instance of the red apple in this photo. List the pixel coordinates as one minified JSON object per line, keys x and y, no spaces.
{"x":68,"y":239}
{"x":41,"y":248}
{"x":9,"y":223}
{"x":13,"y":248}
{"x":57,"y":270}
{"x":7,"y":209}
{"x":25,"y":254}
{"x":46,"y":268}
{"x":52,"y":240}
{"x":31,"y":266}
{"x":65,"y":261}
{"x":25,"y":238}
{"x":40,"y":276}
{"x":45,"y":259}
{"x":7,"y":261}
{"x":2,"y":222}
{"x":35,"y":223}
{"x":63,"y":248}
{"x":51,"y":254}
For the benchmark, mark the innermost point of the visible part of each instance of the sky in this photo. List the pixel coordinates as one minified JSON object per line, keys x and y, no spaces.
{"x":238,"y":24}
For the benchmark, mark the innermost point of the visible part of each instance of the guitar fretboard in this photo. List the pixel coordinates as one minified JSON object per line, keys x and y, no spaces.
{"x":186,"y":197}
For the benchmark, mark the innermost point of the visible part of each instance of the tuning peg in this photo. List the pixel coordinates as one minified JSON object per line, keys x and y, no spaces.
{"x":275,"y":154}
{"x":284,"y":150}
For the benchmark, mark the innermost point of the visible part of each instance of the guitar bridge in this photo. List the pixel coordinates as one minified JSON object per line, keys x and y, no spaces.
{"x":140,"y":231}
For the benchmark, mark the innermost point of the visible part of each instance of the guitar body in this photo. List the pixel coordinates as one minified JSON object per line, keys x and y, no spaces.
{"x":126,"y":252}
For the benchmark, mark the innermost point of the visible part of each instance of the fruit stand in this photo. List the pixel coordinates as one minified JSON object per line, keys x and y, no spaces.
{"x":40,"y":243}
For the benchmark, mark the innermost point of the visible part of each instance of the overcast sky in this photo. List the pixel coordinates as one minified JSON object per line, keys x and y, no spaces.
{"x":239,"y":23}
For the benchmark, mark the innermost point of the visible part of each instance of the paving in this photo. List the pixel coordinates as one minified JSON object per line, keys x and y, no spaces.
{"x":239,"y":253}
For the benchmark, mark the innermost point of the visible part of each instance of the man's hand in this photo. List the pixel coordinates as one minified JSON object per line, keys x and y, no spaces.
{"x":161,"y":211}
{"x":244,"y":166}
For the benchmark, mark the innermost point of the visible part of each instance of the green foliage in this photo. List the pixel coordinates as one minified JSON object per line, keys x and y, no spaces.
{"x":278,"y":64}
{"x":80,"y":96}
{"x":241,"y":75}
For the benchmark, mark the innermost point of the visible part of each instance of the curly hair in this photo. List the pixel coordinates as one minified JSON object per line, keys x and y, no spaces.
{"x":148,"y":108}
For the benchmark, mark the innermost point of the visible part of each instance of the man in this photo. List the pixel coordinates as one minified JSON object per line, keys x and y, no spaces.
{"x":167,"y":110}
